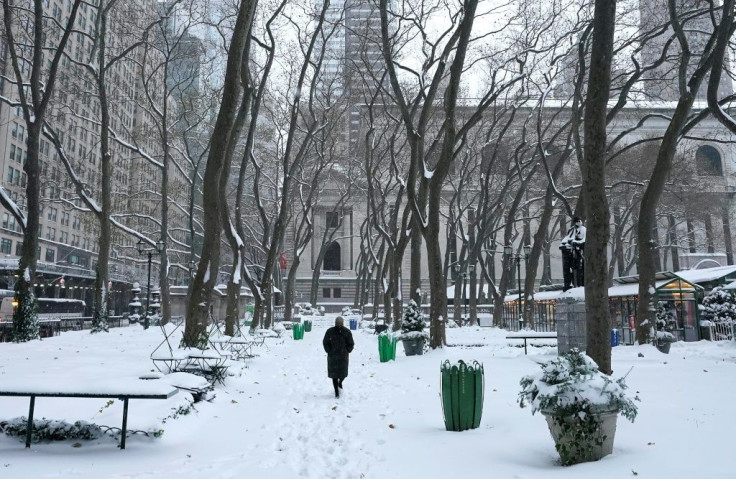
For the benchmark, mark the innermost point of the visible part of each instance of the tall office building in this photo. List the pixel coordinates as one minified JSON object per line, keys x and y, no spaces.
{"x":68,"y":235}
{"x":353,"y":65}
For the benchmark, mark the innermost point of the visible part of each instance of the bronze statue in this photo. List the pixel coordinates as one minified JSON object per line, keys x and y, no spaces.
{"x":572,"y":247}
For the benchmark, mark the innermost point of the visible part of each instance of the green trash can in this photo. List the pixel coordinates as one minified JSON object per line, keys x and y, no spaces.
{"x":462,"y":395}
{"x":307,"y":324}
{"x":298,"y":331}
{"x":387,"y":347}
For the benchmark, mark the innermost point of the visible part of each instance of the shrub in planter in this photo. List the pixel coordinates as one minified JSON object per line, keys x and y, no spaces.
{"x":580,"y":404}
{"x":412,"y":330}
{"x":719,"y":309}
{"x":666,"y":325}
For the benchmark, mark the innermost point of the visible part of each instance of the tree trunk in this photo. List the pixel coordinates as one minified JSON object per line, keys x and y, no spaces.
{"x":437,"y":283}
{"x":726,"y":218}
{"x":99,"y":306}
{"x":290,"y":288}
{"x":316,"y":272}
{"x":593,"y":189}
{"x":646,"y":309}
{"x":25,"y":316}
{"x":415,"y":285}
{"x":199,"y":296}
{"x":232,"y":310}
{"x":672,"y":235}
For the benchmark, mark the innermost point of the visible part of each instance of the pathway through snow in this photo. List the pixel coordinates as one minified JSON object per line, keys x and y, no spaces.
{"x":319,"y":435}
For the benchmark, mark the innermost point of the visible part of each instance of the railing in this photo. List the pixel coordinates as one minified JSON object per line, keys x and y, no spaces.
{"x":544,"y":316}
{"x":718,"y":331}
{"x":54,"y":327}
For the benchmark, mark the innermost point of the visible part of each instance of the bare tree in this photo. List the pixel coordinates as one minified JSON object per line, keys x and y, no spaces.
{"x":223,"y":136}
{"x":593,"y":192}
{"x":25,"y":35}
{"x":693,"y":65}
{"x":429,"y":167}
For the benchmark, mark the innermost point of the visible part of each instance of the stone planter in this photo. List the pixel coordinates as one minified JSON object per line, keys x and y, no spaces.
{"x":664,"y":347}
{"x":569,"y":445}
{"x":413,"y":347}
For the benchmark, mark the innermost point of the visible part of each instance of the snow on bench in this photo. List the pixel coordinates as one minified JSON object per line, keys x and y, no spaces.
{"x":526,"y":335}
{"x":50,"y":386}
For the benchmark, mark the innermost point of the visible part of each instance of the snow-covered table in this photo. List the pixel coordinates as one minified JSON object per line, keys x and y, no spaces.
{"x":525,"y":335}
{"x":241,"y":347}
{"x":50,"y":387}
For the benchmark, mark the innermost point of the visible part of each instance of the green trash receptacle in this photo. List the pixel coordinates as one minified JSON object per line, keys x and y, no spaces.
{"x":462,"y":388}
{"x":297,"y":331}
{"x":387,"y":347}
{"x":307,"y":324}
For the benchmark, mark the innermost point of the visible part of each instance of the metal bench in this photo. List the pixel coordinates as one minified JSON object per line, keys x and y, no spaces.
{"x":525,"y":335}
{"x":139,"y":389}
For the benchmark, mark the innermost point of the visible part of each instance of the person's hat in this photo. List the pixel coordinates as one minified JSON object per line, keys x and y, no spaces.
{"x":575,"y":219}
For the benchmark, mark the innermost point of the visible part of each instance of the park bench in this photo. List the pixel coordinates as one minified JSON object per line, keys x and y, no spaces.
{"x":526,"y":335}
{"x":123,"y":389}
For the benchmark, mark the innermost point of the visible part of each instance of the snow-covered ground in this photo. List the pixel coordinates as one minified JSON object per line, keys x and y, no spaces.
{"x":277,"y":416}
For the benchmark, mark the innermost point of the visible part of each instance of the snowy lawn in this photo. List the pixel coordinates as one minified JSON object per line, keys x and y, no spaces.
{"x":278,"y":418}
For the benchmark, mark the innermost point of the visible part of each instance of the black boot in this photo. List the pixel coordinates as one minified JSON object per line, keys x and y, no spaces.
{"x":336,"y":385}
{"x":339,"y":384}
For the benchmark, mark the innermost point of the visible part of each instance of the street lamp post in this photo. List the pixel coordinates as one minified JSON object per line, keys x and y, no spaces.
{"x":508,"y":251}
{"x":465,"y":274}
{"x":144,"y":250}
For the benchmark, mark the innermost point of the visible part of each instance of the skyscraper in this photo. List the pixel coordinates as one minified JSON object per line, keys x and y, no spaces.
{"x":353,"y":65}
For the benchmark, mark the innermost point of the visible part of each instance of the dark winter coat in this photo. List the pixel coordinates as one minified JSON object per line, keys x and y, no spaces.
{"x":338,"y":343}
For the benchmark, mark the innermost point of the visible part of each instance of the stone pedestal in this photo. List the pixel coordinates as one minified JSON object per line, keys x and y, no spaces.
{"x":571,"y":326}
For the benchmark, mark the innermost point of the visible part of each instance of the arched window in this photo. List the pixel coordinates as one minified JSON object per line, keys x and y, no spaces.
{"x":708,"y":161}
{"x":332,"y":257}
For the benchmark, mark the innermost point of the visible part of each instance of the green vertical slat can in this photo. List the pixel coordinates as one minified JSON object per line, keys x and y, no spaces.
{"x":446,"y":395}
{"x":461,"y":388}
{"x":465,"y":386}
{"x":478,"y":377}
{"x":455,"y":395}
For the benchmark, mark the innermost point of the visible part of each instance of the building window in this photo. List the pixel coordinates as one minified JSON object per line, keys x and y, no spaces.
{"x":332,"y":219}
{"x":18,"y":248}
{"x":325,"y":292}
{"x":332,"y":257}
{"x":708,"y":161}
{"x":50,"y":255}
{"x":337,"y":292}
{"x":6,"y":246}
{"x":13,"y":175}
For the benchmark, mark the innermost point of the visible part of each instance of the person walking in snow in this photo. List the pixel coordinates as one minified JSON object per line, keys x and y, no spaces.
{"x":338,"y":344}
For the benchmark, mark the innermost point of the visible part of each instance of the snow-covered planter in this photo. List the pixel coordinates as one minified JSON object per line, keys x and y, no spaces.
{"x":580,"y":405}
{"x":279,"y":328}
{"x":305,"y":309}
{"x":666,"y":325}
{"x":412,"y":330}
